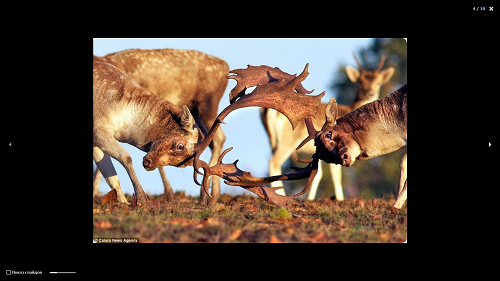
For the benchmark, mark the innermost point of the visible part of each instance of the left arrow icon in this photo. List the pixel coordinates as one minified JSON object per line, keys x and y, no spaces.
{"x":10,"y":144}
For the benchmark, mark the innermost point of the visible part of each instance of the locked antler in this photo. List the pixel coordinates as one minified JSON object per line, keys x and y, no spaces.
{"x":277,"y":90}
{"x":232,"y":175}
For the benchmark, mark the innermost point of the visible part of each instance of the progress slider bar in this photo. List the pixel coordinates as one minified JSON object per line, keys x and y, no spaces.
{"x":62,"y":272}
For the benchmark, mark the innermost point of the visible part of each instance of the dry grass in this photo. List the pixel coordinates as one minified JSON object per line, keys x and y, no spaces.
{"x":248,"y":219}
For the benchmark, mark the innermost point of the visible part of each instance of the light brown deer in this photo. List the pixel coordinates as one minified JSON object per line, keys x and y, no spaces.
{"x":372,"y":130}
{"x":183,"y":77}
{"x":284,"y":140}
{"x":125,"y":112}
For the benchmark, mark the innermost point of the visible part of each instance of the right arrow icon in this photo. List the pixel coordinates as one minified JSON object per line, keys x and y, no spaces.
{"x":490,"y":143}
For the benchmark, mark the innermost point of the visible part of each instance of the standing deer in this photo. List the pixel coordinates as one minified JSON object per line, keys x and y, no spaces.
{"x":284,"y":140}
{"x":183,"y":77}
{"x":125,"y":112}
{"x":372,"y":130}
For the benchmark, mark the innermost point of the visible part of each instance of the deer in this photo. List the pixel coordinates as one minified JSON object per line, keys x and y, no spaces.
{"x":372,"y":130}
{"x":123,"y":111}
{"x":284,"y":140}
{"x":184,"y":77}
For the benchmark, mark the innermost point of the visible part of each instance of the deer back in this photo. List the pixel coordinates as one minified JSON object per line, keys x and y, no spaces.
{"x":183,"y":77}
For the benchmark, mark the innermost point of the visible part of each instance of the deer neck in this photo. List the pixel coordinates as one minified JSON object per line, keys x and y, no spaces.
{"x":362,"y":99}
{"x":378,"y":127}
{"x":144,"y":118}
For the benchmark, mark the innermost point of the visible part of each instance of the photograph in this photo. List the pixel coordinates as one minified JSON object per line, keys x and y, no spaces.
{"x":249,"y":140}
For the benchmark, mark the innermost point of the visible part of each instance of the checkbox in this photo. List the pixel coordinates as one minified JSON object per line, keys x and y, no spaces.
{"x":7,"y":272}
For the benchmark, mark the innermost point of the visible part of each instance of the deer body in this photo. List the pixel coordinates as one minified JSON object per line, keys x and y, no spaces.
{"x":284,"y":140}
{"x":183,"y":77}
{"x":124,"y":111}
{"x":372,"y":130}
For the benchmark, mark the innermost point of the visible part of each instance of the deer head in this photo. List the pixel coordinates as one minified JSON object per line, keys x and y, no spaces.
{"x":332,"y":141}
{"x":369,"y":81}
{"x":176,"y":145}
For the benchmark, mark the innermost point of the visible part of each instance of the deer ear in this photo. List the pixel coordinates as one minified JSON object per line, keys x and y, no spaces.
{"x":331,"y":113}
{"x":387,"y":74}
{"x":187,"y":120}
{"x":352,"y":73}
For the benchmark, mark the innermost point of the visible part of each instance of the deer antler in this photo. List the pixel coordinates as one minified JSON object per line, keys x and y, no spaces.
{"x":286,"y":95}
{"x":232,"y":175}
{"x":310,"y":130}
{"x":379,"y":67}
{"x":357,"y":61}
{"x":259,"y":75}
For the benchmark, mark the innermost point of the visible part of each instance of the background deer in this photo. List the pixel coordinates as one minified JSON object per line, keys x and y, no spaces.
{"x":183,"y":77}
{"x":284,"y":140}
{"x":125,"y":112}
{"x":372,"y":130}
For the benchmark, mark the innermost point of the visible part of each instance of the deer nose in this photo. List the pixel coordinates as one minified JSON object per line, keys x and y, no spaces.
{"x":146,"y":163}
{"x":345,"y":159}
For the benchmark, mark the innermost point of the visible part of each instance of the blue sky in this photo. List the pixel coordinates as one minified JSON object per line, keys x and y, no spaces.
{"x":243,"y":129}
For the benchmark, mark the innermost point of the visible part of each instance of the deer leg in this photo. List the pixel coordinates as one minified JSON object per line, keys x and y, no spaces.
{"x":111,"y":147}
{"x":400,"y":200}
{"x":280,"y":155}
{"x":97,"y":181}
{"x":336,"y":171}
{"x":169,"y":192}
{"x":104,"y":164}
{"x":216,"y":147}
{"x":401,"y":197}
{"x":217,"y":142}
{"x":282,"y":146}
{"x":314,"y":186}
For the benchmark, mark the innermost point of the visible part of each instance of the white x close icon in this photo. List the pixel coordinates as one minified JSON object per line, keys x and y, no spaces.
{"x":491,"y":9}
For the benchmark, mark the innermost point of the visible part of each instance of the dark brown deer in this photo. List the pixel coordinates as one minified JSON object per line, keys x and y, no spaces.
{"x":183,"y":77}
{"x":125,"y":112}
{"x":372,"y":130}
{"x":284,"y":140}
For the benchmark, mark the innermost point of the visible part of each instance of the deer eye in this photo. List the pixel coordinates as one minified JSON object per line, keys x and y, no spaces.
{"x":180,"y":146}
{"x":328,"y":135}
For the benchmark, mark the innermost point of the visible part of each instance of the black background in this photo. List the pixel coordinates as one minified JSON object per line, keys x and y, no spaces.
{"x":456,"y":112}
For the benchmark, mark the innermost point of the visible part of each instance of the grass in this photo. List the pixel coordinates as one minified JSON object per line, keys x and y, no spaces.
{"x":248,"y":219}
